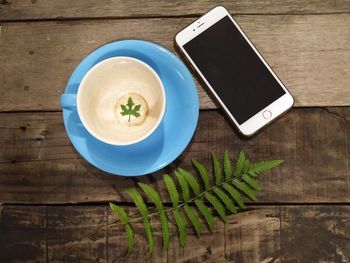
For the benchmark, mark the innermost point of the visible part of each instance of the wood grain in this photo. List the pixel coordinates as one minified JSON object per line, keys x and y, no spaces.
{"x":44,"y":9}
{"x":40,"y":166}
{"x":310,"y":53}
{"x":260,"y":234}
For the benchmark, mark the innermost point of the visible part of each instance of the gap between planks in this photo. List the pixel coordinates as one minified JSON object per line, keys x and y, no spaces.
{"x":194,"y":16}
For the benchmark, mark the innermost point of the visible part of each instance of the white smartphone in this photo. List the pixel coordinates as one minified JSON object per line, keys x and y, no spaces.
{"x":237,"y":75}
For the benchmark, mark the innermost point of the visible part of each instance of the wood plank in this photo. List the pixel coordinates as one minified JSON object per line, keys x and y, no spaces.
{"x":314,"y":66}
{"x":260,"y":234}
{"x":33,"y":9}
{"x":38,"y":164}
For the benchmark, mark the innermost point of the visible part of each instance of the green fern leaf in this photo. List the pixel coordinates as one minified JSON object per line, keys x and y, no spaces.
{"x":227,"y":166}
{"x":226,"y":200}
{"x":184,"y":186}
{"x":251,"y":182}
{"x":141,"y":206}
{"x":120,"y":212}
{"x":194,"y":219}
{"x":217,"y":205}
{"x":253,"y":174}
{"x":263,"y":166}
{"x":244,"y":188}
{"x":154,"y":196}
{"x":138,"y":200}
{"x":181,"y":227}
{"x":122,"y":215}
{"x":191,"y":180}
{"x":131,"y":237}
{"x":165,"y":231}
{"x":240,"y":163}
{"x":216,"y":168}
{"x":246,"y":166}
{"x":170,"y":185}
{"x":149,"y":235}
{"x":203,"y":173}
{"x":206,"y":213}
{"x":234,"y":194}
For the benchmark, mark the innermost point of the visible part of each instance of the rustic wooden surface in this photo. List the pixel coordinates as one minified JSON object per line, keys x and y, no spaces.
{"x":50,"y":197}
{"x":310,"y":53}
{"x":260,"y":234}
{"x":17,"y":10}
{"x":40,"y":165}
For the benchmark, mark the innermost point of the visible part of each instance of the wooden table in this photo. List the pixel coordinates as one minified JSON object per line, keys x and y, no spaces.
{"x":50,"y":197}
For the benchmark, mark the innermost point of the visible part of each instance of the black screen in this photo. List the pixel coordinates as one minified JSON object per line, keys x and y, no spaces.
{"x":234,"y":70}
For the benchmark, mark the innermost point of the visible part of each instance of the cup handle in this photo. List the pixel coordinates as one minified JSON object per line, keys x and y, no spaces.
{"x":69,"y":101}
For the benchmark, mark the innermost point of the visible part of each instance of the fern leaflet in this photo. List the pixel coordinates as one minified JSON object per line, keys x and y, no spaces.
{"x":240,"y":163}
{"x":194,"y":219}
{"x":171,"y":187}
{"x":154,"y":196}
{"x":203,"y":173}
{"x":181,"y":226}
{"x":184,"y":186}
{"x":191,"y":180}
{"x":264,"y":166}
{"x":226,"y":200}
{"x":234,"y":194}
{"x":206,"y":213}
{"x":244,"y":188}
{"x":228,"y":171}
{"x":217,"y":205}
{"x":217,"y":169}
{"x":251,"y":182}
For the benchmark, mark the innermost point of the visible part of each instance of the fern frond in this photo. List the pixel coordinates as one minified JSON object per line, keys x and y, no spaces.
{"x":216,"y":169}
{"x":170,"y":185}
{"x":231,"y":185}
{"x":181,"y":227}
{"x":205,"y":211}
{"x":194,"y":219}
{"x":122,"y":215}
{"x":251,"y":182}
{"x":217,"y":205}
{"x":240,"y":163}
{"x":191,"y":180}
{"x":263,"y":166}
{"x":184,"y":186}
{"x":244,"y":188}
{"x":227,"y":166}
{"x":234,"y":194}
{"x":154,"y":196}
{"x":203,"y":173}
{"x":225,"y":200}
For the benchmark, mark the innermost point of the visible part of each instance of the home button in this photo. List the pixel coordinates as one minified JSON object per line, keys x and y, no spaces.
{"x":267,"y":114}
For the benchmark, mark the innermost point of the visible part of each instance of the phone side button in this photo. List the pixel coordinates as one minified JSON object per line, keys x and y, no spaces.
{"x":267,"y":114}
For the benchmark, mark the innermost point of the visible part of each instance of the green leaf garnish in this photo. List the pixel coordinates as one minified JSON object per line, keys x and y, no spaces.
{"x":128,"y":109}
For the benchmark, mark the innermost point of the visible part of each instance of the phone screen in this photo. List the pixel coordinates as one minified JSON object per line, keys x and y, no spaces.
{"x":234,"y":70}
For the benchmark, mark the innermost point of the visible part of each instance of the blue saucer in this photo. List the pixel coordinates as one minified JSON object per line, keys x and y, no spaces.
{"x":174,"y":132}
